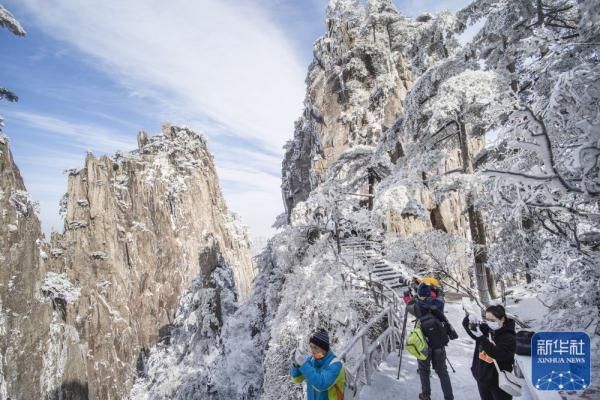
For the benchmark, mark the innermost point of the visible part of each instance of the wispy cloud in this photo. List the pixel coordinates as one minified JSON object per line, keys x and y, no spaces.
{"x":227,"y":62}
{"x":83,"y":136}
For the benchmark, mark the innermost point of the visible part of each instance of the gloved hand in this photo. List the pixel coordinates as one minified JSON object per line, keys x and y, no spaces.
{"x":465,"y":322}
{"x":293,"y":358}
{"x":451,"y":332}
{"x":484,"y":328}
{"x":299,"y":357}
{"x":477,"y":332}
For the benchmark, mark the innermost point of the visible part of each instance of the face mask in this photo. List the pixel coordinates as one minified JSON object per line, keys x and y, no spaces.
{"x":495,"y":325}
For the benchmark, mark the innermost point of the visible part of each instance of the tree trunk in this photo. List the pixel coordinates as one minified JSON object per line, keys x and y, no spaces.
{"x":371,"y":190}
{"x":540,"y":13}
{"x":337,"y":238}
{"x":484,"y":277}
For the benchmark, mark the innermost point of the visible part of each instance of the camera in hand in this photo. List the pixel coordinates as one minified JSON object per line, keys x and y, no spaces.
{"x":474,"y":325}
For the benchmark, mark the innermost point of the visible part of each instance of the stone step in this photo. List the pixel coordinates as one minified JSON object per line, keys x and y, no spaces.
{"x":360,"y":242}
{"x":390,"y":279}
{"x":384,"y":273}
{"x":382,"y":269}
{"x":387,"y":273}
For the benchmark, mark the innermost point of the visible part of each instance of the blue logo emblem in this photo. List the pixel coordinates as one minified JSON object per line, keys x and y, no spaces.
{"x":560,"y":360}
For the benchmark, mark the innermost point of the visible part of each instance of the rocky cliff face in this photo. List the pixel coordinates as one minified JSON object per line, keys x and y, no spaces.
{"x":137,"y":232}
{"x":356,"y":86}
{"x":363,"y":68}
{"x":23,"y":316}
{"x":140,"y":228}
{"x":184,"y":367}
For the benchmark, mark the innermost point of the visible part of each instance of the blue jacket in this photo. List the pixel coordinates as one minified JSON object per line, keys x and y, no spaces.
{"x":325,"y":378}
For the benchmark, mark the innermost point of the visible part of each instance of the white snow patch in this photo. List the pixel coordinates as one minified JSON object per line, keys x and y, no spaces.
{"x":58,"y":286}
{"x":22,"y":202}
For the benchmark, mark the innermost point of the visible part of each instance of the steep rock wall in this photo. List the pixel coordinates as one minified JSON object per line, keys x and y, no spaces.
{"x":355,"y":90}
{"x":24,"y":318}
{"x":363,"y":68}
{"x":136,"y":229}
{"x":78,"y":315}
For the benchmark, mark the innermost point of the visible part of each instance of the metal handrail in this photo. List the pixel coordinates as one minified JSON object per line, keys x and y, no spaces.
{"x":385,"y":342}
{"x":392,"y":303}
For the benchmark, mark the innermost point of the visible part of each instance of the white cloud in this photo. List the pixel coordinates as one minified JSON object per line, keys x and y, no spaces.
{"x":211,"y":58}
{"x":255,"y":202}
{"x":81,"y":135}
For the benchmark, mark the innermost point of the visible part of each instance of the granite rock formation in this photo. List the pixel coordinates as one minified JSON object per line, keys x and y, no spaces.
{"x":140,"y":228}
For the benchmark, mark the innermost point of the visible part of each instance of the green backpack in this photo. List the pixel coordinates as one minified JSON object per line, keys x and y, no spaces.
{"x":416,"y":344}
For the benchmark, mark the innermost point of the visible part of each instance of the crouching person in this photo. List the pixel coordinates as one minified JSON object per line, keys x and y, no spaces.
{"x":323,"y":372}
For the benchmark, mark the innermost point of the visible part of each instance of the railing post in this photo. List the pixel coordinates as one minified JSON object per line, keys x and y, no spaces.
{"x":373,"y":289}
{"x":367,"y":361}
{"x":390,"y":325}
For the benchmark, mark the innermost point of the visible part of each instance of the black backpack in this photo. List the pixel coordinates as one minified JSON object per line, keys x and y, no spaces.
{"x":435,"y":331}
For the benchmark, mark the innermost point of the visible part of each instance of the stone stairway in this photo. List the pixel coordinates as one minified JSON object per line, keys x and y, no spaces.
{"x":384,"y":273}
{"x":369,"y":253}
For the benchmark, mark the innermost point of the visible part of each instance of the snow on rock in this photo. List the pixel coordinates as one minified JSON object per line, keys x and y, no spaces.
{"x":183,"y":364}
{"x":22,"y":202}
{"x":23,"y":320}
{"x":356,"y":88}
{"x":142,"y":221}
{"x":58,"y":286}
{"x":137,"y":226}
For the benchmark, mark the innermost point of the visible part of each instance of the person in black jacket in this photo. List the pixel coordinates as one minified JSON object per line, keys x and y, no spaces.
{"x":435,"y":327}
{"x":495,"y":339}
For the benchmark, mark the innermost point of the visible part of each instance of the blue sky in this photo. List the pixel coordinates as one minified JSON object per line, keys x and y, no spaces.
{"x":89,"y":77}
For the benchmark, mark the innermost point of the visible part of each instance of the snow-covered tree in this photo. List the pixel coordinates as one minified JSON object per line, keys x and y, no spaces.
{"x":465,"y":108}
{"x":436,"y":252}
{"x":8,"y":21}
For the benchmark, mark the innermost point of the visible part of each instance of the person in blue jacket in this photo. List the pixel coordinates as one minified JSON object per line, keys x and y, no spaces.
{"x":323,"y":373}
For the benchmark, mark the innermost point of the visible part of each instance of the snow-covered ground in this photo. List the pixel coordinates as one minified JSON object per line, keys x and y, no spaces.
{"x":385,"y":386}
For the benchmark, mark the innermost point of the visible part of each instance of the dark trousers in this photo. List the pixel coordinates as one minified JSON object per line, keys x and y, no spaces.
{"x":437,"y":358}
{"x":492,"y":393}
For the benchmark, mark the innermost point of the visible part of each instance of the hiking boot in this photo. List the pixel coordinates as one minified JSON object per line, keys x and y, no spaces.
{"x":424,"y":396}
